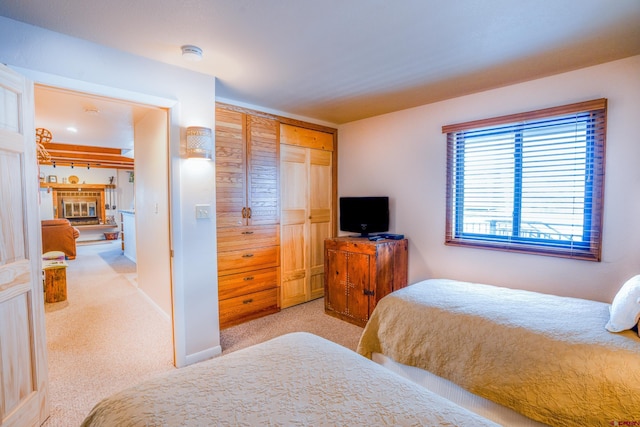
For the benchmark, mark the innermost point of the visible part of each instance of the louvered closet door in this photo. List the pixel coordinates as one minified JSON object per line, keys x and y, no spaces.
{"x":247,"y":176}
{"x":262,"y":164}
{"x":231,"y":184}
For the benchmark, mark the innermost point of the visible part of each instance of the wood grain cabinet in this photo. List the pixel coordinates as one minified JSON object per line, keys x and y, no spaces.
{"x":247,"y":215}
{"x":307,"y":203}
{"x":359,"y":272}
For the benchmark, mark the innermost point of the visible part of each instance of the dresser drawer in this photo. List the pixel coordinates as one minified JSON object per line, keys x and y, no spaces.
{"x":234,"y":285}
{"x":239,"y":309}
{"x":248,"y":259}
{"x":240,"y":238}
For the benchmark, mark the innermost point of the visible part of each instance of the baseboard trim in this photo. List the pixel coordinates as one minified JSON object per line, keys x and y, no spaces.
{"x":154,"y":305}
{"x":203,"y":355}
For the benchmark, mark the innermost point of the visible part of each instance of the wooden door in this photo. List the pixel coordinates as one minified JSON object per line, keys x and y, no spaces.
{"x":294,"y":233}
{"x":320,"y":216}
{"x":23,"y":359}
{"x":306,"y":221}
{"x":231,"y":167}
{"x":262,"y":171}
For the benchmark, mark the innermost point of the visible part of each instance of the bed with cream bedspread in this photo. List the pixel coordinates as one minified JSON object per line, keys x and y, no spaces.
{"x":547,"y":357}
{"x":296,"y":379}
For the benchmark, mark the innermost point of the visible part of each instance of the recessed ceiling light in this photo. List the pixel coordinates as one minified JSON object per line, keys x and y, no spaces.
{"x":191,"y":52}
{"x":72,"y":129}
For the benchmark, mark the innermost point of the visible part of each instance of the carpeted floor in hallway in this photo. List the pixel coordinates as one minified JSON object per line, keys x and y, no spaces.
{"x":105,"y":337}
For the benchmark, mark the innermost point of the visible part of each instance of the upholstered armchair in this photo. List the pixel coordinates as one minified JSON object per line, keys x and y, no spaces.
{"x":59,"y":235}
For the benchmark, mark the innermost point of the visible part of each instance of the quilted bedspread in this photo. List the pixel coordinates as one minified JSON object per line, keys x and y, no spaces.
{"x":297,"y":379}
{"x":547,"y":357}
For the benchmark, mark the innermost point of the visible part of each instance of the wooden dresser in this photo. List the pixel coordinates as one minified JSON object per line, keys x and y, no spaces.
{"x":359,"y":272}
{"x":247,"y":216}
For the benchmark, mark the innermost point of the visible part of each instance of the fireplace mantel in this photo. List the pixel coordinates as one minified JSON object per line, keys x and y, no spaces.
{"x":60,"y":186}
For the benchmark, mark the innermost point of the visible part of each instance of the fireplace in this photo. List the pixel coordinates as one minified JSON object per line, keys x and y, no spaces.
{"x":80,"y":208}
{"x":81,"y":204}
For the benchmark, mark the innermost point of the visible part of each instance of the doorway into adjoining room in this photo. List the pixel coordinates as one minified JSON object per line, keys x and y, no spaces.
{"x":114,"y":328}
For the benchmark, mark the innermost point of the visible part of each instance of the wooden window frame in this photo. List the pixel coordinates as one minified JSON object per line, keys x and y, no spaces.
{"x":591,"y":249}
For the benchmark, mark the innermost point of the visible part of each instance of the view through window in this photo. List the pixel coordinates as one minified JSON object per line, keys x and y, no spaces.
{"x":530,"y":182}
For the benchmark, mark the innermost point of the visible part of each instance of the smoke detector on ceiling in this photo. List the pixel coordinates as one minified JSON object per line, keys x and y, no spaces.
{"x":191,"y":52}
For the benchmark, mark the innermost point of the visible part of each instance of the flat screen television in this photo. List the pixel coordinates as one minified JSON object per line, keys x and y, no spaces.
{"x":364,"y":215}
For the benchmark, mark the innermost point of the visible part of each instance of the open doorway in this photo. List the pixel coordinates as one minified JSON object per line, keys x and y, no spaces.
{"x":118,"y":304}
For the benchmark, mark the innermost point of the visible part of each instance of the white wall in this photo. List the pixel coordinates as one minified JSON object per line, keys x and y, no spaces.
{"x":57,"y":60}
{"x":152,"y":208}
{"x":403,"y":155}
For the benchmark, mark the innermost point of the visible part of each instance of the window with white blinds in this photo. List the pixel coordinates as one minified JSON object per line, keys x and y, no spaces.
{"x":529,"y":182}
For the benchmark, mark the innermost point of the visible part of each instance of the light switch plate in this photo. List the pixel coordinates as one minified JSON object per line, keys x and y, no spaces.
{"x":203,"y":211}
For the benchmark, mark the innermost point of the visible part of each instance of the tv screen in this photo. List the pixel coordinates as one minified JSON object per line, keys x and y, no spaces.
{"x":364,"y":215}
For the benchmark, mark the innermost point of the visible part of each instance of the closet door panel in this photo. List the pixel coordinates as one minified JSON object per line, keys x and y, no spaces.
{"x":263,"y":163}
{"x":294,"y":233}
{"x":231,"y":185}
{"x":318,"y":233}
{"x":320,"y":218}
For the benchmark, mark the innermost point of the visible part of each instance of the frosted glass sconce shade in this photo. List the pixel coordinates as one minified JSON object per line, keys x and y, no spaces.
{"x":199,"y":142}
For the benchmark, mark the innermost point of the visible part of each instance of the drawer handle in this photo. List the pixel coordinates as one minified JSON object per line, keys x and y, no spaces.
{"x":247,"y":232}
{"x":247,"y":255}
{"x":248,"y":301}
{"x":248,"y":278}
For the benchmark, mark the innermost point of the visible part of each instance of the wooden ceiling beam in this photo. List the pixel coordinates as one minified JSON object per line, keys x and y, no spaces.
{"x":72,"y":157}
{"x":82,"y":155}
{"x":54,"y":146}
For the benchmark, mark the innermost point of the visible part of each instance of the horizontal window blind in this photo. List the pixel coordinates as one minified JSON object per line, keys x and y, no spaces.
{"x":530,"y":182}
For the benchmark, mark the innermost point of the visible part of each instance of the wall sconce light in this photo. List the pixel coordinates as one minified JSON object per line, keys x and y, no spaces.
{"x":199,"y":143}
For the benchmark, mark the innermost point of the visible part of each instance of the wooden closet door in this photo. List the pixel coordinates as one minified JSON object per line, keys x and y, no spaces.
{"x":320,"y":218}
{"x":294,"y":231}
{"x":247,"y":184}
{"x":306,"y":221}
{"x":262,"y":173}
{"x":307,"y":211}
{"x":231,"y":185}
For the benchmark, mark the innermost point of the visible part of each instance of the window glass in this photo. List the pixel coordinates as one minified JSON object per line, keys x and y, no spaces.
{"x":530,"y":185}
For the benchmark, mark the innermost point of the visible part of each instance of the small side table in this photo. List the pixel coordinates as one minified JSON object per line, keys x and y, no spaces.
{"x":55,"y":280}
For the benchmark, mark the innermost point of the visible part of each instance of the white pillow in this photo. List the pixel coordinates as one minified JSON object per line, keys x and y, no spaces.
{"x":625,"y":308}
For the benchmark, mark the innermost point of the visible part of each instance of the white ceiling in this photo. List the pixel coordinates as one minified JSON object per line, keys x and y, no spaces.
{"x":344,"y":60}
{"x":81,"y":119}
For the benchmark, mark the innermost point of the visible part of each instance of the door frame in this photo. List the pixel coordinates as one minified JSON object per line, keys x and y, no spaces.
{"x":171,"y":105}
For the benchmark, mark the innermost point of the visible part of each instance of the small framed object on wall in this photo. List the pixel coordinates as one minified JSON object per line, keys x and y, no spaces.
{"x":52,"y":178}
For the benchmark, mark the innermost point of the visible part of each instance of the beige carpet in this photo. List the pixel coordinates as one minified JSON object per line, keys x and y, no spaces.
{"x":308,"y":317}
{"x":106,"y":336}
